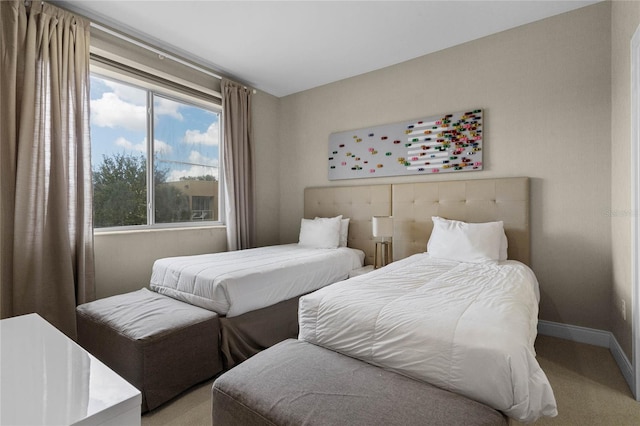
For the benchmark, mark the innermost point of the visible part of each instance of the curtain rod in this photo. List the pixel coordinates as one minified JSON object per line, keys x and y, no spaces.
{"x":158,"y":52}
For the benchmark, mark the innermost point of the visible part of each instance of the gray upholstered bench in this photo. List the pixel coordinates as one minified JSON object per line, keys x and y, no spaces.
{"x":295,"y":383}
{"x":160,"y":345}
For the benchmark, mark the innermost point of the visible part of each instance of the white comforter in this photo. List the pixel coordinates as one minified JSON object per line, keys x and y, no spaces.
{"x":232,"y":283}
{"x":468,"y":328}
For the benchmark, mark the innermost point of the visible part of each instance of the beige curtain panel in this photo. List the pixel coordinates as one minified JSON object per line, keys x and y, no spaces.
{"x":46,"y":216}
{"x":238,"y":166}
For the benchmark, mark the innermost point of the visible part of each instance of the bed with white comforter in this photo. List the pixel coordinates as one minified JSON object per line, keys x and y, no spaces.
{"x":233,"y":283}
{"x":465,"y":327}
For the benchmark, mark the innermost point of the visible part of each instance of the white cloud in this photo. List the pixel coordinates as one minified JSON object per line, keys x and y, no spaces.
{"x":195,"y":158}
{"x":210,"y":137}
{"x":126,"y":106}
{"x":130,"y":146}
{"x":127,"y":93}
{"x":167,"y":107}
{"x":161,"y":147}
{"x":158,"y":145}
{"x":175,"y":175}
{"x":111,"y":111}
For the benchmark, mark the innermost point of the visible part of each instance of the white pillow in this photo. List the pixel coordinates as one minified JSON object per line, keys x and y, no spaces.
{"x":320,"y":233}
{"x":344,"y":232}
{"x":504,"y":245}
{"x":344,"y":229}
{"x":467,"y":242}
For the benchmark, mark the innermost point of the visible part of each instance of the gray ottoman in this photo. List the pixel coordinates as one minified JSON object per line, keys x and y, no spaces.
{"x":297,"y":383}
{"x":160,"y":345}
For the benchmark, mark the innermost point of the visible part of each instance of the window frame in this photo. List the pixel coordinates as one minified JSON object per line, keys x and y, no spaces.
{"x":151,"y":89}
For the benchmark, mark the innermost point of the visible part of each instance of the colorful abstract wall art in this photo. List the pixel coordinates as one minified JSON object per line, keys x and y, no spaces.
{"x":439,"y":144}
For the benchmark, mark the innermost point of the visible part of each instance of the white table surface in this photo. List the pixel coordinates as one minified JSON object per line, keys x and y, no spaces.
{"x":47,"y":379}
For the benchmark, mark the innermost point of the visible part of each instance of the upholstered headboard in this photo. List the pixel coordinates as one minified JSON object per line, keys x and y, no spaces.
{"x":358,"y":203}
{"x":478,"y":200}
{"x":413,"y":204}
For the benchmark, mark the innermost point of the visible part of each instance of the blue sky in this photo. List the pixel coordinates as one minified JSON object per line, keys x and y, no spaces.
{"x":186,"y":137}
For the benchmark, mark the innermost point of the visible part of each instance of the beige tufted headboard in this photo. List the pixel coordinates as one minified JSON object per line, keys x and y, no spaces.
{"x":413,"y":204}
{"x":478,"y":200}
{"x":358,"y":203}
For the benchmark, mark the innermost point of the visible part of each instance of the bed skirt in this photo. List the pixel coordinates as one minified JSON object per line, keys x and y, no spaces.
{"x":245,"y":335}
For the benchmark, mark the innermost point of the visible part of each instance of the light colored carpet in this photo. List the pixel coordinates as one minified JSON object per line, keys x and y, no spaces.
{"x":587,"y":383}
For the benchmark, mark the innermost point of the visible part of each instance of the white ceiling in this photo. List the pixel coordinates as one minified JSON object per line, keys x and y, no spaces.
{"x":283,"y":47}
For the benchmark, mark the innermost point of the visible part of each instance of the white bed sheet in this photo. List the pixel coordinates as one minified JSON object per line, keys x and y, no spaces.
{"x":232,"y":283}
{"x":468,"y":328}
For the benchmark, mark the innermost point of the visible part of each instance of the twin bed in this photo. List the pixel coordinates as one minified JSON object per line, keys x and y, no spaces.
{"x":460,"y":317}
{"x":234,"y":283}
{"x":255,"y":292}
{"x":465,"y":327}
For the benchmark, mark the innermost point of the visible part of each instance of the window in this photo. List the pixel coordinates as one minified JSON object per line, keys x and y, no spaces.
{"x":140,"y":135}
{"x":201,"y":207}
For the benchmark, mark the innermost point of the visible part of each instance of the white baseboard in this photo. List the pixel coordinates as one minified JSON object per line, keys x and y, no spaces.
{"x":591,"y":336}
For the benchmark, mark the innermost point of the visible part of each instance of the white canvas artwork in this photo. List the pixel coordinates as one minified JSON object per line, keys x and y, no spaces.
{"x":438,"y":144}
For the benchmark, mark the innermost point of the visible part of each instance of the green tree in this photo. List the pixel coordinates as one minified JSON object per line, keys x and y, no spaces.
{"x":172,"y":205}
{"x":120,"y":193}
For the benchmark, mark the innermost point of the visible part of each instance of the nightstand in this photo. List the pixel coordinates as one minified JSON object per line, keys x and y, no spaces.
{"x":360,"y":271}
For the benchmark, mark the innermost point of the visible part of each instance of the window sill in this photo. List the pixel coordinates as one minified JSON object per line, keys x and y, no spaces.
{"x":156,"y":228}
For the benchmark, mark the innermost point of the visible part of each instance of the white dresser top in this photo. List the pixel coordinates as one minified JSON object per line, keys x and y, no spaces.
{"x":46,"y":378}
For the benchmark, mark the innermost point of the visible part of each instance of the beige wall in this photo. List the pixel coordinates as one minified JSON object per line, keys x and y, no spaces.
{"x":546,"y":93}
{"x":625,"y":18}
{"x":124,"y":259}
{"x":266,"y":142}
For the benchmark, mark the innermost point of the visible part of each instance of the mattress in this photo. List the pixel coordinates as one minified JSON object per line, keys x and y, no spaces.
{"x":468,"y":328}
{"x":232,"y":283}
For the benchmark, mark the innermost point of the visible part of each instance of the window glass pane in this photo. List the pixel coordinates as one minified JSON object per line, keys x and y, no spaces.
{"x":118,"y":153}
{"x":186,"y":154}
